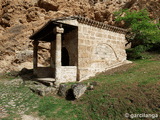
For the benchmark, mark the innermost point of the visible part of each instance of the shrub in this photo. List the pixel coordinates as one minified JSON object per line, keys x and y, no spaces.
{"x":146,"y":33}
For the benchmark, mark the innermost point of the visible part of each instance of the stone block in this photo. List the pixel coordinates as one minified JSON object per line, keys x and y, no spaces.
{"x":68,"y":74}
{"x":62,"y":90}
{"x":109,"y":36}
{"x":99,"y":35}
{"x":78,"y":90}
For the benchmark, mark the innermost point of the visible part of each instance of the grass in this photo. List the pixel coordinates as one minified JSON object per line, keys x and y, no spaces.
{"x":134,"y":90}
{"x":56,"y":108}
{"x":17,"y":100}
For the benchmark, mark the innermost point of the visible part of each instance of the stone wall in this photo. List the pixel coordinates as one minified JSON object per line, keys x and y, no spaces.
{"x":98,"y":50}
{"x":68,"y":74}
{"x":70,"y":42}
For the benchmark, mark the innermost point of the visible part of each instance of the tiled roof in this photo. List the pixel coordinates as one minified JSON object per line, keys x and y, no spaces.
{"x":94,"y":23}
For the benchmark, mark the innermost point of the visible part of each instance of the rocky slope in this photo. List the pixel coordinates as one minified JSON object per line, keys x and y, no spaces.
{"x":20,"y":18}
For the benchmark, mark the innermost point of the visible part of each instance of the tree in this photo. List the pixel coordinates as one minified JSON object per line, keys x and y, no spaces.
{"x":146,"y":32}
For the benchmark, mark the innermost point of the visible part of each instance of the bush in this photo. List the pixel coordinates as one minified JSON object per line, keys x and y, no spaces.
{"x":136,"y":52}
{"x":132,"y":55}
{"x":146,"y":33}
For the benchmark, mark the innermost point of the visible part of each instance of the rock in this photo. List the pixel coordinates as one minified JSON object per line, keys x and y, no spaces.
{"x":26,"y":74}
{"x":3,"y":112}
{"x":78,"y":90}
{"x":90,"y":87}
{"x":34,"y":14}
{"x":20,"y":18}
{"x":14,"y":73}
{"x":30,"y":117}
{"x":101,"y":13}
{"x":62,"y":90}
{"x":94,"y":83}
{"x":41,"y":89}
{"x":48,"y":5}
{"x":56,"y":84}
{"x":14,"y":82}
{"x":16,"y":29}
{"x":21,"y":56}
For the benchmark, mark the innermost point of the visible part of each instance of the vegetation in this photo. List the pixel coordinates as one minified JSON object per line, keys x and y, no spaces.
{"x":146,"y":33}
{"x":131,"y":89}
{"x":16,"y":100}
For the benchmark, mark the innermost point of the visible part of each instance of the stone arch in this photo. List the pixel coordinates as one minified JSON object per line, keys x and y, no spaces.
{"x":105,"y":51}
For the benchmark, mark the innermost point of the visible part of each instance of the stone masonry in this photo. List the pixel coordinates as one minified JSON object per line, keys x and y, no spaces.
{"x":99,"y":49}
{"x":92,"y":47}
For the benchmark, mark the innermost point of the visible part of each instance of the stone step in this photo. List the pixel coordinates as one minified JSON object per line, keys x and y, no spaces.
{"x":46,"y":79}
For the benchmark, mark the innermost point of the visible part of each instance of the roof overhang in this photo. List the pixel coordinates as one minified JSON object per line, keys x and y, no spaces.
{"x":46,"y":33}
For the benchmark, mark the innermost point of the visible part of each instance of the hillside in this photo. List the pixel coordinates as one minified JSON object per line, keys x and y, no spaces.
{"x":21,"y":18}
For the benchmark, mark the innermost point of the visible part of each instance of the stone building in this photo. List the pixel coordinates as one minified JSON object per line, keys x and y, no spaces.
{"x":79,"y":48}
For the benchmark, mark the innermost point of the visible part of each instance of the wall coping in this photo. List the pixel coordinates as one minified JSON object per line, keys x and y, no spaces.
{"x":71,"y":67}
{"x":94,"y":23}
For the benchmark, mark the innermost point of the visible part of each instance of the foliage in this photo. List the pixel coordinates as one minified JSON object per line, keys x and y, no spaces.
{"x":135,"y":53}
{"x":146,"y":32}
{"x":140,"y":24}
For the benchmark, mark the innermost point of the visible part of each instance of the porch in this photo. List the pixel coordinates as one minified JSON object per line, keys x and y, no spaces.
{"x":63,"y":39}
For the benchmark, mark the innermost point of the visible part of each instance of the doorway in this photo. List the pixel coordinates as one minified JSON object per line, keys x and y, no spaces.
{"x":65,"y":57}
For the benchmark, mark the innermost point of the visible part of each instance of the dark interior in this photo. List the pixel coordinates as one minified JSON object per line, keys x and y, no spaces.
{"x":47,"y":34}
{"x":65,"y":57}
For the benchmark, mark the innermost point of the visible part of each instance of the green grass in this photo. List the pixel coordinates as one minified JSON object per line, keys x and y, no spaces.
{"x":16,"y":100}
{"x":55,"y":108}
{"x":136,"y":90}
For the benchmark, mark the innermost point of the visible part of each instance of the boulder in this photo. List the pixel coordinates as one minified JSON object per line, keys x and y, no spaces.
{"x":41,"y":89}
{"x":78,"y":90}
{"x":62,"y":90}
{"x":48,"y":5}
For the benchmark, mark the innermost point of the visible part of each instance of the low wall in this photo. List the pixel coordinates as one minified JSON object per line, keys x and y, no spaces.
{"x":44,"y":72}
{"x":68,"y":74}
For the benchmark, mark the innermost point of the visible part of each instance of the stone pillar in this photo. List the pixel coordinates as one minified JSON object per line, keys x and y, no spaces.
{"x":58,"y":32}
{"x":35,"y":55}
